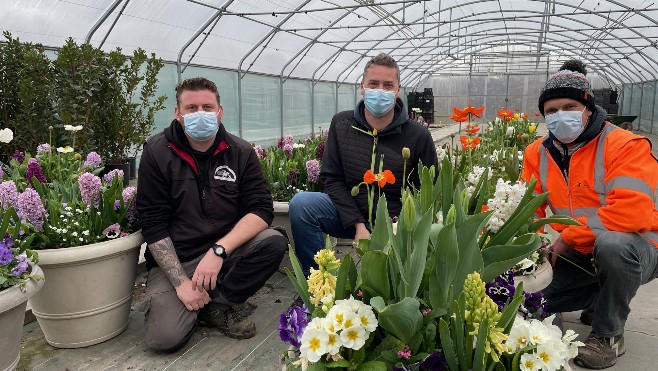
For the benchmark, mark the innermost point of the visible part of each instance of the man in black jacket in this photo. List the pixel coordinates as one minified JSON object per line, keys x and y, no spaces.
{"x":379,"y":124}
{"x":205,"y":211}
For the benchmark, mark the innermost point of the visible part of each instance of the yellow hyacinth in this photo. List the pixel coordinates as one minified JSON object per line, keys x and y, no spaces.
{"x":326,"y":260}
{"x":474,"y":290}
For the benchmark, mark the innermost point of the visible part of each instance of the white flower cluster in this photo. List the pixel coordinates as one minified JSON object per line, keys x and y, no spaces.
{"x":473,"y":178}
{"x":299,"y":145}
{"x":348,"y":324}
{"x":552,"y":351}
{"x":506,"y":199}
{"x":440,"y":153}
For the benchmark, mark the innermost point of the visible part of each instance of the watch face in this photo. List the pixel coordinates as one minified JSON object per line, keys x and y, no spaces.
{"x":219,"y":250}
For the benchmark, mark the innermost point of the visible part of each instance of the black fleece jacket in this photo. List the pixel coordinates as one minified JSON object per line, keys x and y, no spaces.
{"x":349,"y":154}
{"x":196,"y":198}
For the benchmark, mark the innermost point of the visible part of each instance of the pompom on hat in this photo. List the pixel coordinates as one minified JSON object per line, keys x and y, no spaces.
{"x":569,"y":82}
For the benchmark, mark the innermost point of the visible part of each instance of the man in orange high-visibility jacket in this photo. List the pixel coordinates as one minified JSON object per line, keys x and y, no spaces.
{"x":606,"y":178}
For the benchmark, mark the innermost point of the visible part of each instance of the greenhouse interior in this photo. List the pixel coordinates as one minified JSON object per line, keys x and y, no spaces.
{"x":328,"y":184}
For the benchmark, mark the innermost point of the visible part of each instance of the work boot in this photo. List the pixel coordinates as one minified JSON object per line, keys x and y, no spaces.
{"x":245,"y":309}
{"x":586,"y":316}
{"x":227,"y":320}
{"x":600,"y":352}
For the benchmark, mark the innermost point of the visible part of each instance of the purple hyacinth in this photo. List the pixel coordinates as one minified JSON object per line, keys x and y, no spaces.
{"x":313,"y":170}
{"x":43,"y":148}
{"x":2,"y":173}
{"x":279,"y":142}
{"x":320,"y":150}
{"x":8,"y":195}
{"x":93,"y":160}
{"x":128,"y":195}
{"x":90,"y":187}
{"x":260,"y":152}
{"x":34,"y":170}
{"x":293,"y":177}
{"x":292,"y":325}
{"x":117,"y":205}
{"x":21,"y":267}
{"x":31,"y":208}
{"x":325,"y":133}
{"x":109,"y":177}
{"x":287,"y":150}
{"x":5,"y":255}
{"x":18,"y":156}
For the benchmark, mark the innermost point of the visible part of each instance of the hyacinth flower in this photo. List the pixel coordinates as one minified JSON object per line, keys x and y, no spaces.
{"x":8,"y":195}
{"x":34,"y":171}
{"x":31,"y":208}
{"x":93,"y":160}
{"x":90,"y":187}
{"x":313,"y":170}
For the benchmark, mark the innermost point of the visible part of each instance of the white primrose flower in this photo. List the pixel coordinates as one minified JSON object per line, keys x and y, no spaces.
{"x":354,"y":337}
{"x":314,"y":344}
{"x":368,"y":319}
{"x":530,"y":362}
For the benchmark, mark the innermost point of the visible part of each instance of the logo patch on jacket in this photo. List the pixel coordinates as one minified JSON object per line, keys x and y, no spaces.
{"x":225,"y":173}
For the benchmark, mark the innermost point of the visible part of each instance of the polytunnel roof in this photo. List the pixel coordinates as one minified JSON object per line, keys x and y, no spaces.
{"x":333,"y":39}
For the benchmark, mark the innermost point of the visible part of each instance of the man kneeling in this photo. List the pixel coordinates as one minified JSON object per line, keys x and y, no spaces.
{"x":205,"y":211}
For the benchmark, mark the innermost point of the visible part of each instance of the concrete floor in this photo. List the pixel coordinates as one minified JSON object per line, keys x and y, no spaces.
{"x":208,"y":349}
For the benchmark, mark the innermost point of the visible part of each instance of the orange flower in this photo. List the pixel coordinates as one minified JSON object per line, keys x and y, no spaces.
{"x":524,"y":116}
{"x":474,"y":111}
{"x":468,"y":143}
{"x":537,"y":114}
{"x":485,"y":207}
{"x":505,"y":114}
{"x":458,"y":112}
{"x":456,"y":118}
{"x":382,"y":178}
{"x":472,"y":128}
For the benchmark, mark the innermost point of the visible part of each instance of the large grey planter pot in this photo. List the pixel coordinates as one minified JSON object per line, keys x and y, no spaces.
{"x":88,"y":291}
{"x":13,"y":302}
{"x":538,"y":280}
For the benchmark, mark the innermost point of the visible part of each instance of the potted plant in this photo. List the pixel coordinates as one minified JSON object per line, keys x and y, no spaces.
{"x":126,"y":118}
{"x":290,"y":167}
{"x":20,"y":277}
{"x":85,"y":229}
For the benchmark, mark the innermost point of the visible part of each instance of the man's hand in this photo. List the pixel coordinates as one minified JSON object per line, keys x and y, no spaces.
{"x":558,"y":248}
{"x":191,"y":298}
{"x":361,"y":233}
{"x":205,"y":274}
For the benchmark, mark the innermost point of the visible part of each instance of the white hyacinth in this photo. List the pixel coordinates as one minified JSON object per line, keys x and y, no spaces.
{"x":473,"y":178}
{"x":507,"y":198}
{"x":440,"y":153}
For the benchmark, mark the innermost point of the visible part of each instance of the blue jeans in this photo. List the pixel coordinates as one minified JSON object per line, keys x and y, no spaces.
{"x":623,"y":261}
{"x":311,"y":215}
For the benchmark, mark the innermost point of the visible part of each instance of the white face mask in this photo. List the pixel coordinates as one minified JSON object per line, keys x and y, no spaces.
{"x":566,"y":125}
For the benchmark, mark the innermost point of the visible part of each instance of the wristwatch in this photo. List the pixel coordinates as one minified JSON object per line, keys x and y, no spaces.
{"x":220,"y":251}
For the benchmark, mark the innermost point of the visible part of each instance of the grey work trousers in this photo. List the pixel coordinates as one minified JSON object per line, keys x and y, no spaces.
{"x":622,"y":262}
{"x":169,"y":324}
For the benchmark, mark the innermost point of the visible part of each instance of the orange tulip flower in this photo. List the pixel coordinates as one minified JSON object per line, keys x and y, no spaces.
{"x":382,"y":178}
{"x":505,"y":114}
{"x":469,"y":143}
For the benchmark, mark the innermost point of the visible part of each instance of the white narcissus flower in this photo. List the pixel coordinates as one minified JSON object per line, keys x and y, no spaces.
{"x":66,"y":149}
{"x":314,"y":344}
{"x":354,"y":337}
{"x":6,"y":135}
{"x":72,"y":128}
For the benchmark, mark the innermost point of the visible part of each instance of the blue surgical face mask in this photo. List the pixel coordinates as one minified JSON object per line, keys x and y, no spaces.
{"x":566,"y":125}
{"x":378,"y":101}
{"x":201,"y":125}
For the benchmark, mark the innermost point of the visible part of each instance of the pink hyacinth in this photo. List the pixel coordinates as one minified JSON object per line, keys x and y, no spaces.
{"x":34,"y":170}
{"x":8,"y":195}
{"x":90,"y":187}
{"x":287,"y":150}
{"x":109,"y":177}
{"x":2,"y":173}
{"x":288,"y":139}
{"x":313,"y":170}
{"x":43,"y":148}
{"x":93,"y":160}
{"x":260,"y":152}
{"x":31,"y":208}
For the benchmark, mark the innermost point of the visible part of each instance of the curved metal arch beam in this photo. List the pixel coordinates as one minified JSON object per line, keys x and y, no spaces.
{"x":342,"y":48}
{"x":473,"y":2}
{"x":269,"y":35}
{"x":310,"y":45}
{"x":614,"y":71}
{"x":101,"y":20}
{"x":189,"y":42}
{"x":637,"y":50}
{"x":494,"y":38}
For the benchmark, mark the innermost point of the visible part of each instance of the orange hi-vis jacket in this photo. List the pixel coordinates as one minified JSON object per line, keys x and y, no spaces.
{"x":611,"y":186}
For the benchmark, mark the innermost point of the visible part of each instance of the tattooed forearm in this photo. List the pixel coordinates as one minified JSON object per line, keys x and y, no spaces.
{"x":163,"y":252}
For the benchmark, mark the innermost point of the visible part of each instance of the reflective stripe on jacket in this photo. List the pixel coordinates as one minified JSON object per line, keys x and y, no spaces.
{"x":612,"y":186}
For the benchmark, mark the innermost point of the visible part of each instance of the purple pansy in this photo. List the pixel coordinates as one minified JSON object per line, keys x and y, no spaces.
{"x":113,"y":231}
{"x":292,"y":325}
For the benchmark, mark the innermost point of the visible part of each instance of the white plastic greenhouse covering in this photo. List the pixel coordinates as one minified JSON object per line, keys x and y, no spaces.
{"x":286,"y":66}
